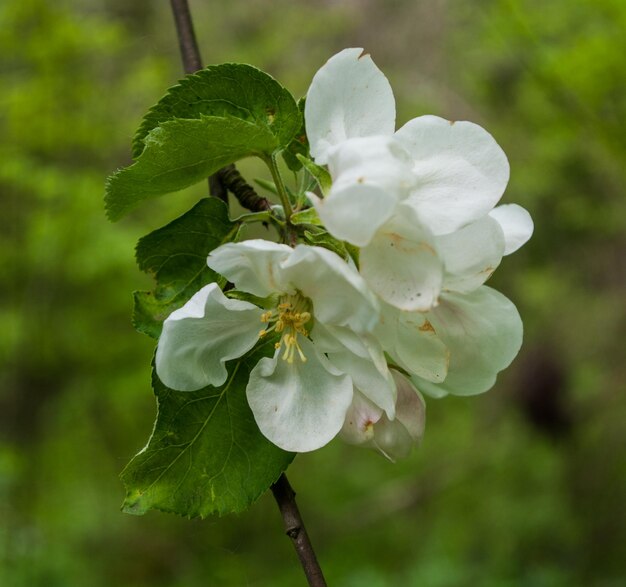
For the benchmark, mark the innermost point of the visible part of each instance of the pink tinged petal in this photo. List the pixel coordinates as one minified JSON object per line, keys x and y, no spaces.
{"x":462,"y":172}
{"x":361,"y":417}
{"x":516,"y":224}
{"x":339,"y":294}
{"x":299,"y":406}
{"x":471,"y":254}
{"x":483,"y":332}
{"x":361,"y":357}
{"x":412,"y":342}
{"x":200,"y":337}
{"x":401,"y":264}
{"x":410,"y":407}
{"x":348,"y":97}
{"x":252,"y":265}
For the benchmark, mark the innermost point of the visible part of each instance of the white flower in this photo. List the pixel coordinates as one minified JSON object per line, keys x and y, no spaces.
{"x":323,"y":311}
{"x":367,"y":425}
{"x":402,"y":197}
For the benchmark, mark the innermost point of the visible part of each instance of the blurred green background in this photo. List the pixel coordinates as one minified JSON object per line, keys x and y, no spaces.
{"x":523,"y":486}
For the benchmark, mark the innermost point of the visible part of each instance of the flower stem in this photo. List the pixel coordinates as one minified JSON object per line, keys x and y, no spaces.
{"x":294,"y":528}
{"x":290,"y":235}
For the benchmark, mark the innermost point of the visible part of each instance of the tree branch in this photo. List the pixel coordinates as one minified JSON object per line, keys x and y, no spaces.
{"x":192,"y":62}
{"x":294,"y":528}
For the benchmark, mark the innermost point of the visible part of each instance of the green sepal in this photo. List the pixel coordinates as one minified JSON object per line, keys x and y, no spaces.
{"x":227,"y":90}
{"x":308,"y":216}
{"x":206,"y":454}
{"x":325,"y":240}
{"x":299,"y":145}
{"x":175,"y":255}
{"x":266,"y":303}
{"x":321,"y":175}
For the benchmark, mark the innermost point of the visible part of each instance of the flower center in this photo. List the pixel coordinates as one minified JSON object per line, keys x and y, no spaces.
{"x":288,"y":319}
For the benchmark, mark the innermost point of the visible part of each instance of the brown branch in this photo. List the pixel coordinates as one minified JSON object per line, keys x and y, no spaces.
{"x":246,"y":195}
{"x":294,"y":528}
{"x":192,"y":62}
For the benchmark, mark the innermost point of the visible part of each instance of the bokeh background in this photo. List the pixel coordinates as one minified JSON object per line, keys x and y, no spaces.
{"x":523,"y":486}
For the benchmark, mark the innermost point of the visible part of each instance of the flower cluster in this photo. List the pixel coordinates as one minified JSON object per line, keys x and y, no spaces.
{"x":356,"y":342}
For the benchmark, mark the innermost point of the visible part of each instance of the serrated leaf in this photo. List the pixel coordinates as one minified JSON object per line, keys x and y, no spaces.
{"x":180,"y":153}
{"x":299,"y":144}
{"x":206,"y":454}
{"x":176,"y":256}
{"x":318,"y":173}
{"x":227,"y":90}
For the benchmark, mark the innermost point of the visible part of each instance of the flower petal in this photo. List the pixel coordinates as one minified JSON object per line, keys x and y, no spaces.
{"x":348,"y":97}
{"x":355,"y":212}
{"x":200,"y":337}
{"x":483,"y":332}
{"x":412,"y":342}
{"x":361,"y":357}
{"x":470,"y":255}
{"x":462,"y":172}
{"x":516,"y":224}
{"x":339,"y":294}
{"x":410,"y":406}
{"x":361,"y":417}
{"x":401,"y":265}
{"x":252,"y":265}
{"x":299,"y":406}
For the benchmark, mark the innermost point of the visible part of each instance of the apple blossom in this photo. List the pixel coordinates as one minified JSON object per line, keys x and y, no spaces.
{"x":402,"y":196}
{"x":323,"y":312}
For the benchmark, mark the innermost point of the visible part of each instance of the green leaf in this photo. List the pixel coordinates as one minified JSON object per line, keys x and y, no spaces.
{"x":227,"y":90}
{"x":176,"y":256}
{"x":299,"y":145}
{"x":206,"y":454}
{"x":319,"y":173}
{"x":180,"y":153}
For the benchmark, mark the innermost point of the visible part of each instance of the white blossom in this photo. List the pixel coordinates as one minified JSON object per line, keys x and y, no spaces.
{"x":323,"y":313}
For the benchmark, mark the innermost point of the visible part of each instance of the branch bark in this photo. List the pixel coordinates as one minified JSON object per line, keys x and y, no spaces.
{"x":294,"y":528}
{"x":192,"y":62}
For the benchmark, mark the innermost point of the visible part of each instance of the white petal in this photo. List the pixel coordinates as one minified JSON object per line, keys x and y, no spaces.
{"x":412,"y":342}
{"x":516,"y":224}
{"x":299,"y":406}
{"x":483,"y":332}
{"x":252,"y":265}
{"x":349,"y":97}
{"x":355,"y":212}
{"x":471,"y":254}
{"x":200,"y":337}
{"x":361,"y":357}
{"x":339,"y":294}
{"x":462,"y":171}
{"x":361,"y":417}
{"x":401,"y":265}
{"x":410,"y":407}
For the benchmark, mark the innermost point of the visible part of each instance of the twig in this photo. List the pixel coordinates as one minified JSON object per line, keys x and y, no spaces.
{"x":192,"y":62}
{"x":246,"y":195}
{"x":294,"y":528}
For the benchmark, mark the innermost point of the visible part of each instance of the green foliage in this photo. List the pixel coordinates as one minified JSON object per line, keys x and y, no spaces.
{"x":175,"y":256}
{"x":227,"y":90}
{"x":210,"y":119}
{"x":299,"y":146}
{"x":206,"y":454}
{"x":321,"y":176}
